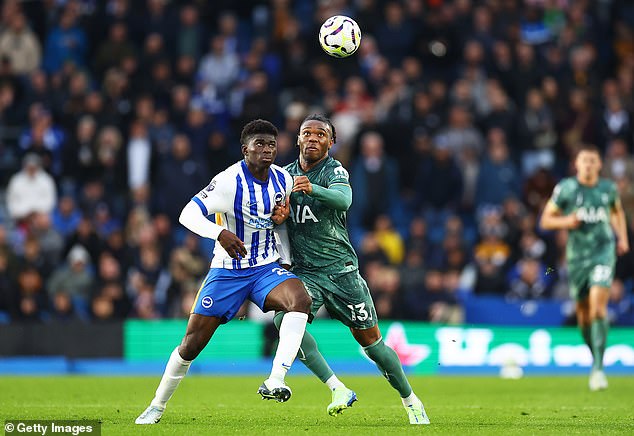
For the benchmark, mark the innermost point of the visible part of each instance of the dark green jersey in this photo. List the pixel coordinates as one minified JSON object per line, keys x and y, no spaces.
{"x":592,"y":205}
{"x":318,"y":234}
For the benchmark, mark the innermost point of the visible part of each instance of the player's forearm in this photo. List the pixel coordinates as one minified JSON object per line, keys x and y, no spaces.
{"x":338,"y":197}
{"x":619,"y":224}
{"x":554,"y":222}
{"x":194,"y":219}
{"x":283,"y":245}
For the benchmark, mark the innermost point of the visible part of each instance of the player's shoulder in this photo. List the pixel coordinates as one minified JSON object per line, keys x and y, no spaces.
{"x":606,"y":184}
{"x":282,"y":174}
{"x":567,"y":184}
{"x":334,"y":168}
{"x":280,"y":169}
{"x":229,"y":173}
{"x":293,"y":167}
{"x":333,"y":163}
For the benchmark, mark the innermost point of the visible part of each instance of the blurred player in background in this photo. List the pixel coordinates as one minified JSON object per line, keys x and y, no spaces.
{"x":244,"y":265}
{"x":590,"y":209}
{"x":324,"y":259}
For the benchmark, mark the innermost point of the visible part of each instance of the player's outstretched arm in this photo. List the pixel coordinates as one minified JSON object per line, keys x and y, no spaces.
{"x":619,"y":224}
{"x":337,"y":196}
{"x":552,"y":219}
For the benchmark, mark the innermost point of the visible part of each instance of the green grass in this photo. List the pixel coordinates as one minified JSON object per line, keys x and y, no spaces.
{"x":229,"y":405}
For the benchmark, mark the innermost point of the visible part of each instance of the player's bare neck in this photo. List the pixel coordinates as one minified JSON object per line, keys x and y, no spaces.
{"x":260,"y":173}
{"x":588,"y":182}
{"x":307,"y":166}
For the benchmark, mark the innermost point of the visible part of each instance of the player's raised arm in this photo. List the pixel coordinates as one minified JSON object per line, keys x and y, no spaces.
{"x":619,"y":224}
{"x":337,"y":196}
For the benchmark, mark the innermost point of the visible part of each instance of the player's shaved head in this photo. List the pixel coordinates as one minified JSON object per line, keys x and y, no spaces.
{"x":257,"y":127}
{"x":323,"y":119}
{"x":590,"y":148}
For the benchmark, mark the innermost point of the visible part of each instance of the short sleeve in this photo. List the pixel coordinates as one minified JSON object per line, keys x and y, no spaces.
{"x":338,"y":175}
{"x":217,"y":196}
{"x":613,"y":194}
{"x":289,"y":182}
{"x":561,"y":194}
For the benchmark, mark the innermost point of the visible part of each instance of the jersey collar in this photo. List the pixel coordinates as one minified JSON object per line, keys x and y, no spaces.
{"x":250,"y":177}
{"x":316,"y":167}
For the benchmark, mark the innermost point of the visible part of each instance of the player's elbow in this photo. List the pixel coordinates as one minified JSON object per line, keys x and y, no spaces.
{"x":545,"y":223}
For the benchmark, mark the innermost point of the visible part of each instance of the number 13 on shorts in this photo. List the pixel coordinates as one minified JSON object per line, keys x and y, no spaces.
{"x":358,"y":312}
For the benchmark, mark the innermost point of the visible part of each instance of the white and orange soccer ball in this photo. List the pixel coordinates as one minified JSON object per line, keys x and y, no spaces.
{"x":340,"y":36}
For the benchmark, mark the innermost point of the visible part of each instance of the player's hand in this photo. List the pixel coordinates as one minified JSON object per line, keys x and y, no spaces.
{"x":572,"y":221}
{"x":302,"y":184}
{"x":281,"y":212}
{"x":286,"y":266}
{"x":622,"y":246}
{"x":232,"y":244}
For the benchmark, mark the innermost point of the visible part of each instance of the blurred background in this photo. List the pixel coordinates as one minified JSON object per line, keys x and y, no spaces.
{"x":455,"y":119}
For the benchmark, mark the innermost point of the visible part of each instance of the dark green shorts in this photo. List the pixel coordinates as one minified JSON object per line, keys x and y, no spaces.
{"x":583,"y":275}
{"x":344,"y":294}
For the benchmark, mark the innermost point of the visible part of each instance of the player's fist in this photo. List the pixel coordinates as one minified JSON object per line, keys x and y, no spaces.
{"x":281,"y":212}
{"x":622,"y":246}
{"x":302,"y":184}
{"x":572,"y":221}
{"x":232,"y":244}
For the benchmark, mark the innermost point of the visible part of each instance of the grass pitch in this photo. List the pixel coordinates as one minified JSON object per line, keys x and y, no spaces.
{"x":230,"y":405}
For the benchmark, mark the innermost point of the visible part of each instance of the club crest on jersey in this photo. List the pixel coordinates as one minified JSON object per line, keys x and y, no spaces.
{"x":279,"y":198}
{"x":211,"y":186}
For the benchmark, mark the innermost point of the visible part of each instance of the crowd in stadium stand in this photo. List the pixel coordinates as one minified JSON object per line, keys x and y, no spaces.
{"x":454,"y":118}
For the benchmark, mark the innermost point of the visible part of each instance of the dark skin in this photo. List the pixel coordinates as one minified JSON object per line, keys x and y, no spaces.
{"x":289,"y":296}
{"x":315,"y":139}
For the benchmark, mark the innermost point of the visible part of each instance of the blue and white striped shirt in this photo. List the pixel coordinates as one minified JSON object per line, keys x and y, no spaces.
{"x":244,"y":205}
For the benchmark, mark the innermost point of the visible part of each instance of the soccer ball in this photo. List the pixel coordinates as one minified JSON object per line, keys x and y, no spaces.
{"x":340,"y":36}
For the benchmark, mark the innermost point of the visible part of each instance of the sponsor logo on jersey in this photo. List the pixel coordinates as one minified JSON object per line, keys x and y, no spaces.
{"x":261,"y":223}
{"x":592,"y":214}
{"x":303,"y":214}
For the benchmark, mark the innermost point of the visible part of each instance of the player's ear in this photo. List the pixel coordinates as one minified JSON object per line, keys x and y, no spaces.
{"x":244,"y":150}
{"x":297,"y":142}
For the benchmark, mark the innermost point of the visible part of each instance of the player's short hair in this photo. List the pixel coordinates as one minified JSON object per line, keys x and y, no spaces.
{"x":323,"y":119}
{"x":589,"y":148}
{"x":257,"y":127}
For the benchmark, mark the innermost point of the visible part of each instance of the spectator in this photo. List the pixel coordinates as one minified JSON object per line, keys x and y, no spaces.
{"x":442,"y":180}
{"x":537,"y":134}
{"x":30,"y":190}
{"x":218,"y":70}
{"x":112,"y":51}
{"x":497,"y":179}
{"x":529,"y":281}
{"x":67,"y":42}
{"x":74,"y":279}
{"x":21,"y":46}
{"x":181,"y":166}
{"x":374,"y":178}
